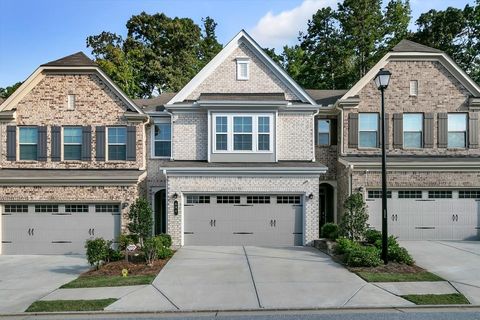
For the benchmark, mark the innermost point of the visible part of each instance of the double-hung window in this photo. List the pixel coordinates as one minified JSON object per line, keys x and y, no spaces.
{"x":323,"y":132}
{"x":242,"y":133}
{"x":72,"y":143}
{"x":368,"y":130}
{"x":263,"y":133}
{"x":117,"y":143}
{"x":221,"y":133}
{"x":412,"y":130}
{"x":28,"y":143}
{"x":162,"y":138}
{"x":457,"y":130}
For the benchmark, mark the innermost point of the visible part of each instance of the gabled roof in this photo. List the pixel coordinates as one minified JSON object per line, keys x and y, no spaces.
{"x":78,"y":59}
{"x":156,"y":103}
{"x":410,"y":46}
{"x":241,"y":37}
{"x":325,"y":97}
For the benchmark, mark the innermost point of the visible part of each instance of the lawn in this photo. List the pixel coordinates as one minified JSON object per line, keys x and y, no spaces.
{"x":69,"y":305}
{"x":108,"y":281}
{"x":433,"y":299}
{"x":397,"y":277}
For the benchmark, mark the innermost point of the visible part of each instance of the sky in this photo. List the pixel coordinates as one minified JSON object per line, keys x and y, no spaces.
{"x":37,"y":31}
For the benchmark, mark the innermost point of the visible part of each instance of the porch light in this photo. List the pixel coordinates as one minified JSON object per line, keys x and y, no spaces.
{"x":382,"y":79}
{"x":310,"y":196}
{"x":175,"y":196}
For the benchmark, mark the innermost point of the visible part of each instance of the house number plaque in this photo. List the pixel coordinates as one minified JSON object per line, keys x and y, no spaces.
{"x":175,"y":207}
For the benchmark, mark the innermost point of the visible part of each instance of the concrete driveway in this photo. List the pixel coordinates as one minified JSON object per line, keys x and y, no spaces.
{"x":239,"y":278}
{"x":25,"y":279}
{"x":455,"y":261}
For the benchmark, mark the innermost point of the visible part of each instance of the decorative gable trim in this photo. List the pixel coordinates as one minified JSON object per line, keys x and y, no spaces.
{"x":241,"y":37}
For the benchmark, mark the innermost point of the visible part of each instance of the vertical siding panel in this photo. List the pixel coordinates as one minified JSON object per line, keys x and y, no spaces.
{"x":473,"y":130}
{"x":100,"y":144}
{"x":398,"y":130}
{"x":442,"y":130}
{"x":428,"y":127}
{"x":11,"y":143}
{"x":353,"y":130}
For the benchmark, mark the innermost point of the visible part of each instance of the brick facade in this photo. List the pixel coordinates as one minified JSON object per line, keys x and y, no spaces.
{"x":190,"y":136}
{"x":295,"y":136}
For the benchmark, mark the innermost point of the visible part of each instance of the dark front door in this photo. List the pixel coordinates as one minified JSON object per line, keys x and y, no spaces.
{"x":160,"y":212}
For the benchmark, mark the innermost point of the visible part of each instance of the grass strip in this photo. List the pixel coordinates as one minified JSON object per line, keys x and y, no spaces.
{"x":437,"y":299}
{"x":398,"y":277}
{"x":108,"y":281}
{"x":69,"y":305}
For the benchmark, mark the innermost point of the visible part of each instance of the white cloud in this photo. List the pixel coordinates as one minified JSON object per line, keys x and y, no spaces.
{"x":277,"y":30}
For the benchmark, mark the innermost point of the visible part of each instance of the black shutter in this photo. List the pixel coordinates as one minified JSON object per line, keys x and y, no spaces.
{"x":397,"y":130}
{"x":100,"y":143}
{"x":131,"y":143}
{"x":333,"y":132}
{"x":442,"y":130}
{"x":473,"y":130}
{"x":86,"y":143}
{"x":42,"y":144}
{"x":11,"y":143}
{"x":428,"y":127}
{"x":56,"y":143}
{"x":353,"y":130}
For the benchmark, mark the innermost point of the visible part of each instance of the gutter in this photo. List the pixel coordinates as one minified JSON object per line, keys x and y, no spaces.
{"x":229,"y":171}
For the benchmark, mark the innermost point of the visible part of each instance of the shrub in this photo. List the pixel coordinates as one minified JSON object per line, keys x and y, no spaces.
{"x":157,"y":248}
{"x":141,"y":221}
{"x":372,"y":236}
{"x":400,"y":255}
{"x":330,"y":231}
{"x":166,"y":239}
{"x":126,"y":239}
{"x":344,"y":245}
{"x":164,"y":253}
{"x":97,"y":251}
{"x":354,"y":220}
{"x":363,"y":256}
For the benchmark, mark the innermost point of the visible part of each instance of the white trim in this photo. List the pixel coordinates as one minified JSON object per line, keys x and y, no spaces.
{"x":241,"y":37}
{"x":240,"y":63}
{"x":152,"y":138}
{"x":63,"y":143}
{"x":115,"y":144}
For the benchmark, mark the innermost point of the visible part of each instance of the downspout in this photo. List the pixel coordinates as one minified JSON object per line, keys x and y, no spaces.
{"x":314,"y":133}
{"x":342,"y":150}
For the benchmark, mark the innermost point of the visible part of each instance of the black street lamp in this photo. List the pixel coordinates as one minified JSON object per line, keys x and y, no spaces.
{"x":381,"y":80}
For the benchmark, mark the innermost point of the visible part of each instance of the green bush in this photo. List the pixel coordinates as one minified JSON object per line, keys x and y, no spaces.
{"x":354,"y":220}
{"x":166,"y":239}
{"x":372,"y":236}
{"x":164,"y":253}
{"x":97,"y":251}
{"x":363,"y":256}
{"x":344,"y":245}
{"x":141,"y":221}
{"x":330,"y":231}
{"x":157,"y":248}
{"x":400,"y":255}
{"x":126,"y":239}
{"x":114,"y":255}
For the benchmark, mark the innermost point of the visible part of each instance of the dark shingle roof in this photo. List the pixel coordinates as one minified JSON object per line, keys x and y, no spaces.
{"x":325,"y":97}
{"x":78,"y":59}
{"x":410,"y":46}
{"x":154,"y":104}
{"x":262,"y":96}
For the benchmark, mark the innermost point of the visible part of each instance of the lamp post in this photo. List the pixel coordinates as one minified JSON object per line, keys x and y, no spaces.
{"x":381,"y":80}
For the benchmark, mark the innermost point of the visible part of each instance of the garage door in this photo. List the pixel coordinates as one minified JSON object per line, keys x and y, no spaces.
{"x":428,"y":214}
{"x":270,"y":220}
{"x":56,"y":228}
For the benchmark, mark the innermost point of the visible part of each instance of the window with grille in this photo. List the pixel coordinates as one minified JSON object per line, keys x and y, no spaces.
{"x":469,"y":194}
{"x":440,"y":194}
{"x":107,"y":208}
{"x":258,"y":199}
{"x":228,"y":199}
{"x":16,"y":208}
{"x":377,"y":194}
{"x":46,"y":208}
{"x":288,"y":199}
{"x":73,"y":208}
{"x":192,"y":199}
{"x":410,"y":194}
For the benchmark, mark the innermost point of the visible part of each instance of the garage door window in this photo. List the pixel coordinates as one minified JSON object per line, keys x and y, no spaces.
{"x":193,"y":199}
{"x":469,"y":194}
{"x":46,"y":208}
{"x":75,"y":208}
{"x":410,"y":194}
{"x":440,"y":194}
{"x":377,"y":194}
{"x":107,"y":208}
{"x":228,"y":199}
{"x":16,"y":208}
{"x":258,"y":199}
{"x":288,"y":199}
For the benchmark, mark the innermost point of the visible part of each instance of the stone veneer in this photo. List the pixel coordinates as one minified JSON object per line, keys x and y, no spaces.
{"x":254,"y":184}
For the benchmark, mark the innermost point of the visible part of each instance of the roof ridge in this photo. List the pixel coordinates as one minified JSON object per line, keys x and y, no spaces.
{"x":76,"y":59}
{"x":406,"y":45}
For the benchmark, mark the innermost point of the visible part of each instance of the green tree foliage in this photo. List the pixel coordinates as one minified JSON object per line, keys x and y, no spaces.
{"x":140,"y":219}
{"x":7,"y":91}
{"x":159,"y":53}
{"x":354,"y":221}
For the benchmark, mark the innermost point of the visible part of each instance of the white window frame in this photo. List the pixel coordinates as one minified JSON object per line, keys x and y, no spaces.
{"x":240,"y":62}
{"x":413,"y":88}
{"x":377,"y":131}
{"x":107,"y":144}
{"x":230,"y":133}
{"x":421,"y":131}
{"x":465,"y":146}
{"x":152,"y":142}
{"x":71,"y":144}
{"x":329,"y":132}
{"x":19,"y":128}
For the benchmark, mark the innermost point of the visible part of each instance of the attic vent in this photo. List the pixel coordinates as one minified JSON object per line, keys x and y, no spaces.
{"x":243,"y":68}
{"x":414,"y":88}
{"x":71,"y":102}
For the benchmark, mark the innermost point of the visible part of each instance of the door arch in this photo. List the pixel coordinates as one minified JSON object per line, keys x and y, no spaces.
{"x":160,"y":212}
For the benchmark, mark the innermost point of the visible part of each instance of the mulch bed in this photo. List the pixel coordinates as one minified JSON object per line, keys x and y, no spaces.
{"x":391,"y":267}
{"x":134,"y":268}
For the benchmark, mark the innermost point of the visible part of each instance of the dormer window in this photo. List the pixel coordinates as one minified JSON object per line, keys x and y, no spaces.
{"x":243,"y":68}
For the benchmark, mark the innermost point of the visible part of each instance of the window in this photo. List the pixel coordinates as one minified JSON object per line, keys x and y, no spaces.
{"x":107,"y":208}
{"x":72,"y":143}
{"x":469,"y":194}
{"x":263,"y":133}
{"x":323,"y":132}
{"x":410,"y":194}
{"x":16,"y":208}
{"x":439,"y":194}
{"x":258,"y":199}
{"x":288,"y":199}
{"x":221,"y":133}
{"x":242,"y":133}
{"x":457,"y":130}
{"x":412,"y":130}
{"x":368,"y":130}
{"x":243,"y":68}
{"x":71,"y":102}
{"x":413,"y":88}
{"x":46,"y":208}
{"x":162,"y":139}
{"x":191,"y":199}
{"x":73,"y":208}
{"x":228,"y":199}
{"x":117,"y":143}
{"x":28,"y":143}
{"x":377,"y":194}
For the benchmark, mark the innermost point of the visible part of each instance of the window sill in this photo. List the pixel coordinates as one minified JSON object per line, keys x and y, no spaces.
{"x":242,"y":152}
{"x":161,"y":158}
{"x":457,"y":149}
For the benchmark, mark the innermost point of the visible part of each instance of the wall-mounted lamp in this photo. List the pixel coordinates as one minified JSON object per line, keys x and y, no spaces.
{"x":175,"y":196}
{"x":361,"y":189}
{"x":310,"y":196}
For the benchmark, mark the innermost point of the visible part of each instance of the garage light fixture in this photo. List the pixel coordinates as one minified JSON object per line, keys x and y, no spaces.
{"x":310,"y":196}
{"x":175,"y":196}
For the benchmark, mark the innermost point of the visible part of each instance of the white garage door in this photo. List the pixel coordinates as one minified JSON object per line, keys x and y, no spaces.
{"x":270,"y":220}
{"x":56,"y":228}
{"x":428,"y":214}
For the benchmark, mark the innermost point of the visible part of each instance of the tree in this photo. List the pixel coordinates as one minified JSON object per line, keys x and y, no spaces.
{"x":7,"y":91}
{"x":141,"y":219}
{"x":354,"y":221}
{"x":396,"y":18}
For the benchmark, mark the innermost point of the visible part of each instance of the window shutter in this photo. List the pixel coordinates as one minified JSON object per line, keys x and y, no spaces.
{"x":86,"y":143}
{"x":11,"y":143}
{"x":100,"y":143}
{"x":473,"y":130}
{"x":56,"y":143}
{"x":131,"y":143}
{"x":442,"y":130}
{"x":42,"y":144}
{"x":428,"y":126}
{"x":397,"y":130}
{"x":353,"y":130}
{"x":333,"y":132}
